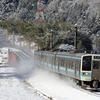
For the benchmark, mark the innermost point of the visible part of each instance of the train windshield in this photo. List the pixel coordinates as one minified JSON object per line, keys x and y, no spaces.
{"x":86,"y":64}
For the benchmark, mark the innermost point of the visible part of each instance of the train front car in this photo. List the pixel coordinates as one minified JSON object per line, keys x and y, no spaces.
{"x":90,"y":71}
{"x":3,"y":57}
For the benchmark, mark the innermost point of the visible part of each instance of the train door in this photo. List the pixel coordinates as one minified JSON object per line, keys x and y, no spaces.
{"x":96,"y":69}
{"x":62,"y":67}
{"x":66,"y":65}
{"x":53,"y":63}
{"x":77,"y":69}
{"x":57,"y":64}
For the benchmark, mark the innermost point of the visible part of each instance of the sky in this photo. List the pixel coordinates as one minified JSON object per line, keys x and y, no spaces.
{"x":27,"y":82}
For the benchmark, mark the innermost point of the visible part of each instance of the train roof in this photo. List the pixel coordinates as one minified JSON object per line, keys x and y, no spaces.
{"x":63,"y":54}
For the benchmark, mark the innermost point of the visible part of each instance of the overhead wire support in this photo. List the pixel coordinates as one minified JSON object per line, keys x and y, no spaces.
{"x":42,"y":36}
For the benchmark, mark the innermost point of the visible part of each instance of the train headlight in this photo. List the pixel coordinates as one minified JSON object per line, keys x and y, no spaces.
{"x":85,"y":73}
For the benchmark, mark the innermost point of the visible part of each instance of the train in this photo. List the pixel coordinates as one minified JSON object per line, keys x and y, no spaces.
{"x":83,"y":68}
{"x":11,"y":56}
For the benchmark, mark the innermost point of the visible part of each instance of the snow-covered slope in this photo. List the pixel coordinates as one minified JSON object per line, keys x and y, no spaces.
{"x":59,"y":88}
{"x":12,"y":79}
{"x":13,"y":88}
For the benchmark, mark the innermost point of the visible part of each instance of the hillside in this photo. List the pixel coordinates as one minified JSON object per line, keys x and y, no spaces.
{"x":81,"y":12}
{"x":85,"y":13}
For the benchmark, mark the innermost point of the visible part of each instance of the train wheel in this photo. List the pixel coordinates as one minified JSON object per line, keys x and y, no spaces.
{"x":83,"y":85}
{"x":95,"y":84}
{"x":78,"y":83}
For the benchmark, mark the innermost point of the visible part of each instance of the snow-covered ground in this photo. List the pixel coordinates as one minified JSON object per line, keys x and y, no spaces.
{"x":59,"y":88}
{"x":13,"y":86}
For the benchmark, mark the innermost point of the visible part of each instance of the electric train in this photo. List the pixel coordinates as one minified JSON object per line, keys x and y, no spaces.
{"x":84,"y":68}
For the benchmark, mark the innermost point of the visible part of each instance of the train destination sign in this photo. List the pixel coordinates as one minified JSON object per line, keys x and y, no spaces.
{"x":96,"y":57}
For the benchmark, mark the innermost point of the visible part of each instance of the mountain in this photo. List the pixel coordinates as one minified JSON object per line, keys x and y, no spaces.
{"x":19,"y":9}
{"x":84,"y":13}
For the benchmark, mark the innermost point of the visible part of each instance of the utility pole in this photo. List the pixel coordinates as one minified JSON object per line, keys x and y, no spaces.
{"x":75,"y":38}
{"x":52,"y":39}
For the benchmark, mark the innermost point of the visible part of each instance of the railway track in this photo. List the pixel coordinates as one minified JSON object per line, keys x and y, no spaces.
{"x":42,"y":94}
{"x":96,"y":93}
{"x":93,"y":92}
{"x":9,"y":73}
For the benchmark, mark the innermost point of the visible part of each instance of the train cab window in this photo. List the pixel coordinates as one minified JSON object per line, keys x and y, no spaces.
{"x":95,"y":65}
{"x":86,"y":64}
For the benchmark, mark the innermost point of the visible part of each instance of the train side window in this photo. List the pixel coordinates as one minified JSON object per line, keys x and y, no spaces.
{"x":74,"y":64}
{"x":67,"y":63}
{"x":43,"y":59}
{"x":53,"y":60}
{"x":77,"y":64}
{"x":71,"y":63}
{"x":95,"y":65}
{"x":50,"y":61}
{"x":57,"y":61}
{"x":46,"y":60}
{"x":62,"y":62}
